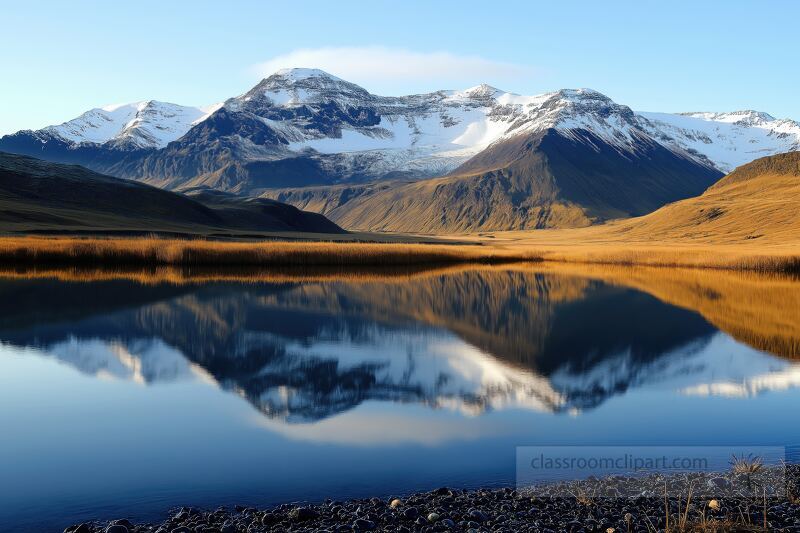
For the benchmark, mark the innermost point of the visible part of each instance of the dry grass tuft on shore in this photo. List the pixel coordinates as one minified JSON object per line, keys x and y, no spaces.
{"x":152,"y":251}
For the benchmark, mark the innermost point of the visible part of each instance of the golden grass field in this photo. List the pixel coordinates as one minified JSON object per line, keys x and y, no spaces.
{"x":153,"y":251}
{"x":563,"y":246}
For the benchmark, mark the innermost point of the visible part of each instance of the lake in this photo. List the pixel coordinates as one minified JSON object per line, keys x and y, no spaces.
{"x":124,"y":394}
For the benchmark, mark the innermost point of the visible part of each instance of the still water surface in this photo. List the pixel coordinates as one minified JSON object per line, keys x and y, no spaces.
{"x":119,"y":398}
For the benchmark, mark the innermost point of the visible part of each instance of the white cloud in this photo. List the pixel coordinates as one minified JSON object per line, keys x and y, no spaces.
{"x":396,"y":69}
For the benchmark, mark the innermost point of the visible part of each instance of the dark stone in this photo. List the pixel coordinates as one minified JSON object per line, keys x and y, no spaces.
{"x":80,"y":528}
{"x":363,"y":524}
{"x":303,"y":514}
{"x":477,"y":515}
{"x":720,"y":483}
{"x":269,"y":518}
{"x":410,"y":513}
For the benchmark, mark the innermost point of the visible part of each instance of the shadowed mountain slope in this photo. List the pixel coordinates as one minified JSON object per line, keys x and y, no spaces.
{"x":41,"y":196}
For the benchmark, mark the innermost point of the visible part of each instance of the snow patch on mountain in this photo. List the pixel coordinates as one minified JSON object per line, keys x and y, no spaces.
{"x":148,"y":124}
{"x":727,"y":140}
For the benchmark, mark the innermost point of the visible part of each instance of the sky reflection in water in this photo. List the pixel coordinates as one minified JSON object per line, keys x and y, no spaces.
{"x":126,"y":399}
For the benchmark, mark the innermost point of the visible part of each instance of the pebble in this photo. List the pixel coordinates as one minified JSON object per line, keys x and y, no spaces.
{"x":362,"y":524}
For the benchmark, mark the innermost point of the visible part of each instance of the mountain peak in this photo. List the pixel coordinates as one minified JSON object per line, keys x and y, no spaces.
{"x":586,"y":105}
{"x":482,"y":90}
{"x":297,"y":74}
{"x":293,"y":86}
{"x":582,"y":94}
{"x":144,"y":124}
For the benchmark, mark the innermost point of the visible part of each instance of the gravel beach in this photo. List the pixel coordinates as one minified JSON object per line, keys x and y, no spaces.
{"x":712,"y":502}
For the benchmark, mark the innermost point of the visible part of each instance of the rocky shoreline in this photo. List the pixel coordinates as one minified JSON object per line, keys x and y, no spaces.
{"x":763,"y":501}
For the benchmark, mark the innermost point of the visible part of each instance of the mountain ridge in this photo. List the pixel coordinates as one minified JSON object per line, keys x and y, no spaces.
{"x":41,"y":196}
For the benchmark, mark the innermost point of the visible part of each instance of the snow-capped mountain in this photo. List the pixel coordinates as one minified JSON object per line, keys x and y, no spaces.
{"x":311,"y":111}
{"x":727,"y":140}
{"x":429,"y":133}
{"x":308,"y":111}
{"x":149,"y":124}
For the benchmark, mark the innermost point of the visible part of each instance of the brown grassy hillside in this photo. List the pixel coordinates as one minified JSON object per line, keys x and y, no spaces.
{"x":542,"y":180}
{"x":758,"y":202}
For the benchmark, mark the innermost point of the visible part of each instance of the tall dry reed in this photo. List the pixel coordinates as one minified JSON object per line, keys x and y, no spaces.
{"x":151,"y":251}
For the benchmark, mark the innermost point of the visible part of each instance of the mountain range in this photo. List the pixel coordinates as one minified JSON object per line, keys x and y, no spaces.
{"x":471,"y":160}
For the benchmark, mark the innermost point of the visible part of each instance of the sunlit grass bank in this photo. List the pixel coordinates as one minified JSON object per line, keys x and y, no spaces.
{"x":151,"y":251}
{"x":544,"y":246}
{"x":744,"y":258}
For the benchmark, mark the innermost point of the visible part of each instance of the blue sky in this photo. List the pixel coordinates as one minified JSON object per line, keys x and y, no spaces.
{"x":62,"y":58}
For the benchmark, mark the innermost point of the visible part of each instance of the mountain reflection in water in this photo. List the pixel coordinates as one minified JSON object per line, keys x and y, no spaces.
{"x":471,"y":341}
